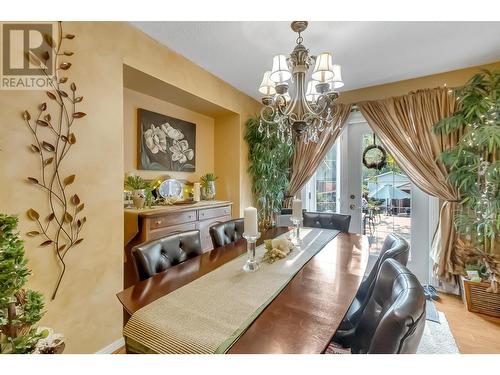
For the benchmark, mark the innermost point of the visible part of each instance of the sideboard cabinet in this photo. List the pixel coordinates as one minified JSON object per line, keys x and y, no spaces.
{"x":149,"y":224}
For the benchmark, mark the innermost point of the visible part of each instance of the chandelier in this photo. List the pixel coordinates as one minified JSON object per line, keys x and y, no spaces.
{"x":299,"y":108}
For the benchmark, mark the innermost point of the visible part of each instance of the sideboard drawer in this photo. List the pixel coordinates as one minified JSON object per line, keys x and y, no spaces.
{"x":165,"y":231}
{"x":204,"y":227}
{"x":169,"y":220}
{"x":209,"y":213}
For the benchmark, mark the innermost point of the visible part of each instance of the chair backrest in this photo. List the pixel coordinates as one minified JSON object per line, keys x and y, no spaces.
{"x":394,"y":247}
{"x":227,"y":232}
{"x":327,"y":220}
{"x":159,"y":255}
{"x":394,"y":318}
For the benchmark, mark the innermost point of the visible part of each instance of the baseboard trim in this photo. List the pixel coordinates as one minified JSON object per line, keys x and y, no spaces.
{"x":113,"y":347}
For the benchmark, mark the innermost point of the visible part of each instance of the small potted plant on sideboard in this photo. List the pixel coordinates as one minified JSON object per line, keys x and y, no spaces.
{"x":208,"y":186}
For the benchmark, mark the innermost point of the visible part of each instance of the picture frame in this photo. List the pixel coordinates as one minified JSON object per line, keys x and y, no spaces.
{"x":165,"y":143}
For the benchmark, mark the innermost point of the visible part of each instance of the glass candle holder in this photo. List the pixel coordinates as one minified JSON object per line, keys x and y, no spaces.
{"x":297,"y":222}
{"x":251,"y":264}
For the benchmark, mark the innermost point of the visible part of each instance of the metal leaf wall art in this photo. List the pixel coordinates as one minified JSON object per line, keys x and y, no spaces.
{"x":53,"y":129}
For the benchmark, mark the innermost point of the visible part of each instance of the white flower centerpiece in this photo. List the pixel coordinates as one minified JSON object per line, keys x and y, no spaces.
{"x":277,"y":249}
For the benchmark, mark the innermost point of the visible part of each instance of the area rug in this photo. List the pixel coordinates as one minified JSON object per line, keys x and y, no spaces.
{"x":430,"y":312}
{"x":437,"y":338}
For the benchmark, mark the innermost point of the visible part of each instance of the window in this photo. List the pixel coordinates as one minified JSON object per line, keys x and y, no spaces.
{"x":321,"y":190}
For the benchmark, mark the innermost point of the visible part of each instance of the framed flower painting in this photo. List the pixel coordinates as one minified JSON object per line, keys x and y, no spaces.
{"x":165,"y":143}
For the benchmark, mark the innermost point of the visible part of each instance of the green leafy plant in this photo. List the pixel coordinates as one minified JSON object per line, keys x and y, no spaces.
{"x":474,"y":169}
{"x":20,"y":309}
{"x":138,"y":183}
{"x":135,"y":183}
{"x":269,"y":168}
{"x":205,"y":179}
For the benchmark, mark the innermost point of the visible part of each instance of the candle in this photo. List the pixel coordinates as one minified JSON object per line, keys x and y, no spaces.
{"x":196,"y":192}
{"x":250,"y":221}
{"x":297,"y":209}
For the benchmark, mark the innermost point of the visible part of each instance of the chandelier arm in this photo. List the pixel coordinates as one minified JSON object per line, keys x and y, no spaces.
{"x":263,"y":114}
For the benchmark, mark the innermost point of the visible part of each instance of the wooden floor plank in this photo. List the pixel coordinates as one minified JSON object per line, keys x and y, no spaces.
{"x":474,"y":333}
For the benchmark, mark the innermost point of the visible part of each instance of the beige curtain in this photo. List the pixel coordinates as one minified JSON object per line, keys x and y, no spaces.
{"x":307,"y":157}
{"x":404,"y":124}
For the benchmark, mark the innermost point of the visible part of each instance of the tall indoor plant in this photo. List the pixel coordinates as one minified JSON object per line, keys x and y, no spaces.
{"x":474,"y":169}
{"x":269,"y":168}
{"x":20,"y":309}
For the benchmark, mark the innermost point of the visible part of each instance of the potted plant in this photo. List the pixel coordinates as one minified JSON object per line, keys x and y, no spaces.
{"x":208,"y":186}
{"x":269,"y":166}
{"x":20,"y":308}
{"x":140,"y":189}
{"x":474,"y":169}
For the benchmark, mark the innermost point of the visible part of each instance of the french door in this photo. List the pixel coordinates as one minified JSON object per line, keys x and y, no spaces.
{"x":379,"y":202}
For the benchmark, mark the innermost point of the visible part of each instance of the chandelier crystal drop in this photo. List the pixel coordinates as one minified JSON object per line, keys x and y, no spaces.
{"x":299,"y":108}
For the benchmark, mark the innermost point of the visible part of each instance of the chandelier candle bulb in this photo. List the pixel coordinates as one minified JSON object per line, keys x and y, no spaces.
{"x":323,"y":70}
{"x":250,"y":221}
{"x":280,"y":72}
{"x":297,"y":209}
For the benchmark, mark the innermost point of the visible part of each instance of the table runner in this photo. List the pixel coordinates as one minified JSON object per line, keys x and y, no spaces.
{"x":209,"y":314}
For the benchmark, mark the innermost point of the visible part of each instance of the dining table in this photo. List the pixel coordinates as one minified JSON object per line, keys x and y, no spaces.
{"x":301,"y":317}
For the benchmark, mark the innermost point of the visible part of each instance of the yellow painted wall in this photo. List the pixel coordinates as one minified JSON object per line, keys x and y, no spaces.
{"x":453,"y":78}
{"x":204,"y":153}
{"x":86,"y":309}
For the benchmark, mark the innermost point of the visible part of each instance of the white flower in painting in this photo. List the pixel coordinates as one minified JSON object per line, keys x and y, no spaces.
{"x":172,"y":133}
{"x":156,"y":139}
{"x":181,"y":151}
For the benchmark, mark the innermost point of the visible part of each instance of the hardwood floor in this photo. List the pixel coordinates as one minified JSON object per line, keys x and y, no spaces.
{"x":474,"y":333}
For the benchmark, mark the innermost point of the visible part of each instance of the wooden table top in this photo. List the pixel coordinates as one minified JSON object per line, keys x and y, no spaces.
{"x":302,"y":318}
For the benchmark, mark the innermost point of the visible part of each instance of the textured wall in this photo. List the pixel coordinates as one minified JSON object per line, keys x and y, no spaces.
{"x":132,"y":100}
{"x":86,"y":309}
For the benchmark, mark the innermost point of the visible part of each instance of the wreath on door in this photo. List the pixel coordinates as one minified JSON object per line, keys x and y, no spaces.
{"x":374,"y":156}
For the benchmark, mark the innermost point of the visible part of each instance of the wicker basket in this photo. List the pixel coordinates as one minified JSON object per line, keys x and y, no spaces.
{"x":479,"y":300}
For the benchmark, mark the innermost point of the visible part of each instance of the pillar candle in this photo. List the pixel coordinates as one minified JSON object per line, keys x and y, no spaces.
{"x":297,"y":209}
{"x":196,"y":192}
{"x":250,"y":221}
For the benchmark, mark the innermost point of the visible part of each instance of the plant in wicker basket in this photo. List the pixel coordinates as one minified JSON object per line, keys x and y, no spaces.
{"x":52,"y":127}
{"x":474,"y":169}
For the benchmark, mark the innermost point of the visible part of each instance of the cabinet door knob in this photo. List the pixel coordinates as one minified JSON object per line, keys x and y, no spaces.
{"x":158,"y":222}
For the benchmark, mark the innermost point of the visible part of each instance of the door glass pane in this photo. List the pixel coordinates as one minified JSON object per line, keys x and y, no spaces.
{"x":321,"y":190}
{"x":386,"y":200}
{"x":326,"y":182}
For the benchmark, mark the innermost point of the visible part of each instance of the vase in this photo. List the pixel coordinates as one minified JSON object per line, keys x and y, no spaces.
{"x":209,"y":191}
{"x":139,"y":198}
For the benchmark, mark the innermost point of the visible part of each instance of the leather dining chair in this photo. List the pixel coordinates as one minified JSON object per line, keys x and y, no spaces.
{"x":394,"y":247}
{"x":327,"y":220}
{"x":393,"y":320}
{"x":227,"y":232}
{"x":159,"y":255}
{"x":284,"y":219}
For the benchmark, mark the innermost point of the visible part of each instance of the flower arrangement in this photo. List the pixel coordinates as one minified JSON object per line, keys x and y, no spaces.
{"x":277,"y":249}
{"x":158,"y":138}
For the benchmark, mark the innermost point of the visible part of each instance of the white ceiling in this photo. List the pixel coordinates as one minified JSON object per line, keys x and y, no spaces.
{"x":370,"y":53}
